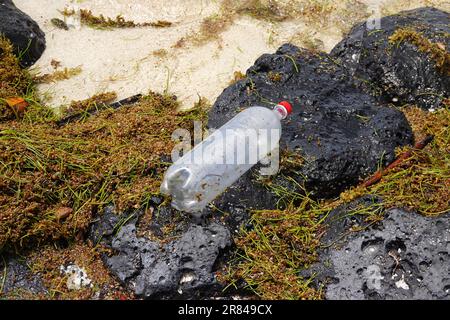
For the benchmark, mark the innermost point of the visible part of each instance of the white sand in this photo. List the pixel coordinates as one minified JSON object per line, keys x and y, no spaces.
{"x":121,"y":60}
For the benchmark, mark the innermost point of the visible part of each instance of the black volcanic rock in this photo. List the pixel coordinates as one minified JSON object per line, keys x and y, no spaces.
{"x":399,"y":72}
{"x":23,"y":32}
{"x":405,"y":256}
{"x":342,"y":132}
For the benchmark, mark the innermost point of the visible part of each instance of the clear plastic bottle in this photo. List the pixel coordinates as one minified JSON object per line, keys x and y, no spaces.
{"x":217,"y":162}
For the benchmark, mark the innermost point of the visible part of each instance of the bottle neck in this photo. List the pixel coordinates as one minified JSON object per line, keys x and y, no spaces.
{"x":280,"y":111}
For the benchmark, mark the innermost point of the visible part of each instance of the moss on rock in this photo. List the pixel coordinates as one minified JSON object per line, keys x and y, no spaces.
{"x":437,"y":51}
{"x":14,"y":81}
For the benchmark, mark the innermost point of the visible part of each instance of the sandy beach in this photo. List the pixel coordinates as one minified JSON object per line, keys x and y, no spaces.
{"x":135,"y":60}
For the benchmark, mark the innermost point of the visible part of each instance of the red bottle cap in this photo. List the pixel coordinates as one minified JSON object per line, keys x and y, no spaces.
{"x":287,"y":106}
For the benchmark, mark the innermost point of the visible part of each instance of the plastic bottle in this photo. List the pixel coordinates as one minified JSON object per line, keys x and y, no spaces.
{"x":217,"y":162}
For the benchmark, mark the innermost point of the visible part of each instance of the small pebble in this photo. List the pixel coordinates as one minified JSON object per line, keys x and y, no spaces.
{"x":59,"y":24}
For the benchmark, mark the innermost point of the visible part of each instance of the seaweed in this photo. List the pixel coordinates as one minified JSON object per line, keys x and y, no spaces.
{"x":271,"y":11}
{"x":60,"y":24}
{"x":57,"y":75}
{"x":48,"y":261}
{"x":82,"y":106}
{"x":274,"y":76}
{"x":91,"y":20}
{"x":160,"y":53}
{"x":437,"y":51}
{"x":279,"y":244}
